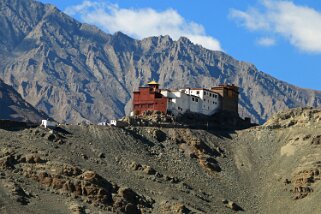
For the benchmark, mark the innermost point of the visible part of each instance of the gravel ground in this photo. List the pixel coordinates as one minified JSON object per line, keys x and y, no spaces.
{"x":272,"y":168}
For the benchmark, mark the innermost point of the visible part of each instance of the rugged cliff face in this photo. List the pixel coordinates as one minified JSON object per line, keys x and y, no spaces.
{"x":74,"y":71}
{"x":14,"y":107}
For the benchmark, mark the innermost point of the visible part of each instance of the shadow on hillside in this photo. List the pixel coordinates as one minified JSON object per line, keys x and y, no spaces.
{"x":221,"y":133}
{"x":221,"y":121}
{"x":140,"y":137}
{"x":10,"y":125}
{"x":62,"y":131}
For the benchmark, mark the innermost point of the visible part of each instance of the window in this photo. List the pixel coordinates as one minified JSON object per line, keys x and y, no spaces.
{"x":193,"y":98}
{"x":204,"y":99}
{"x":196,"y":100}
{"x":204,"y":93}
{"x":197,"y":92}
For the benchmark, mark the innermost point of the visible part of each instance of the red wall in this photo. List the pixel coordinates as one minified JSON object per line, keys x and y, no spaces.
{"x":148,"y":99}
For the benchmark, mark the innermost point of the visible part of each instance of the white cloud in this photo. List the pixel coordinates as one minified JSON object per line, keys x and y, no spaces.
{"x":300,"y":25}
{"x":266,"y":41}
{"x":251,"y":19}
{"x":141,"y":23}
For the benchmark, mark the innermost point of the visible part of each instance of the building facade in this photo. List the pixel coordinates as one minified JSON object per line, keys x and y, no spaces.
{"x":177,"y":101}
{"x":209,"y":100}
{"x":196,"y":100}
{"x":229,"y":97}
{"x":149,"y":98}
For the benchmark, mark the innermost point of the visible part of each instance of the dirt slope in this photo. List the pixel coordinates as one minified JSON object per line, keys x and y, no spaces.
{"x":274,"y":168}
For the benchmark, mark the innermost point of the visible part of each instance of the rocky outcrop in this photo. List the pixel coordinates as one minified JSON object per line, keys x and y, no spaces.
{"x":16,"y":192}
{"x":304,"y":179}
{"x":232,"y":205}
{"x":195,"y":148}
{"x":72,"y":181}
{"x":174,"y":207}
{"x":294,"y":117}
{"x":74,"y":72}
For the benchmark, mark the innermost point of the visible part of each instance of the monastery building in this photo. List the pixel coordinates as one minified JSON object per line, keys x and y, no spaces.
{"x":196,"y":100}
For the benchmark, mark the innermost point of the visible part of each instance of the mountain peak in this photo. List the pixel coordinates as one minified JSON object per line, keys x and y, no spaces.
{"x":121,"y":35}
{"x":184,"y":40}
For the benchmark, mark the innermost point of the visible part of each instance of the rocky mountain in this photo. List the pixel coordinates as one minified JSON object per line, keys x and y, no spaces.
{"x":14,"y":107}
{"x":274,"y":168}
{"x":74,"y":71}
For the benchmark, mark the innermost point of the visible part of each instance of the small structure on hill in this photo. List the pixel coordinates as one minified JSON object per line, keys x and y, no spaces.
{"x":118,"y":123}
{"x":49,"y":123}
{"x":196,"y":100}
{"x":102,"y":124}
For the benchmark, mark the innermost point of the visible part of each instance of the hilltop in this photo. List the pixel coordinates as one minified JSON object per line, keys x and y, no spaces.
{"x":74,"y":71}
{"x":90,"y":169}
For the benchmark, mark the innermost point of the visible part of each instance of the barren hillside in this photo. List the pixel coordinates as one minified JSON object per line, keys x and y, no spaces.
{"x":274,"y":168}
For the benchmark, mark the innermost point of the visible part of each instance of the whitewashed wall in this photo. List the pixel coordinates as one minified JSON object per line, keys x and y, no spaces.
{"x":194,"y":100}
{"x":178,"y":102}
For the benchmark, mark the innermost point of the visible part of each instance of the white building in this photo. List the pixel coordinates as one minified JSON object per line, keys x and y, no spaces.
{"x":102,"y":124}
{"x":209,"y":100}
{"x":118,"y":123}
{"x":178,"y":102}
{"x":48,"y":124}
{"x":195,"y":100}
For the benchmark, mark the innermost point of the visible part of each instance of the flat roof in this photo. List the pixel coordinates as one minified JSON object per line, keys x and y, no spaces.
{"x":204,"y":89}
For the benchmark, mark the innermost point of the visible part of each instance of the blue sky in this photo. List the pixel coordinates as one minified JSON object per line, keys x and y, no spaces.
{"x":282,"y":38}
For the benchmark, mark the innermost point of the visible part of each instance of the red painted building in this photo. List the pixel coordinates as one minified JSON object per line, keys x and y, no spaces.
{"x":149,"y":98}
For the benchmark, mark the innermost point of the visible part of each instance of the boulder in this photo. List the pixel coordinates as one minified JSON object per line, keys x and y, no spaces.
{"x":7,"y":162}
{"x":159,"y":135}
{"x":210,"y":164}
{"x":232,"y":205}
{"x":149,"y":170}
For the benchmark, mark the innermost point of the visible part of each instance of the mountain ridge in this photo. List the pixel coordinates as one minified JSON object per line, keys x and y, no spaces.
{"x":74,"y":71}
{"x":14,"y":108}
